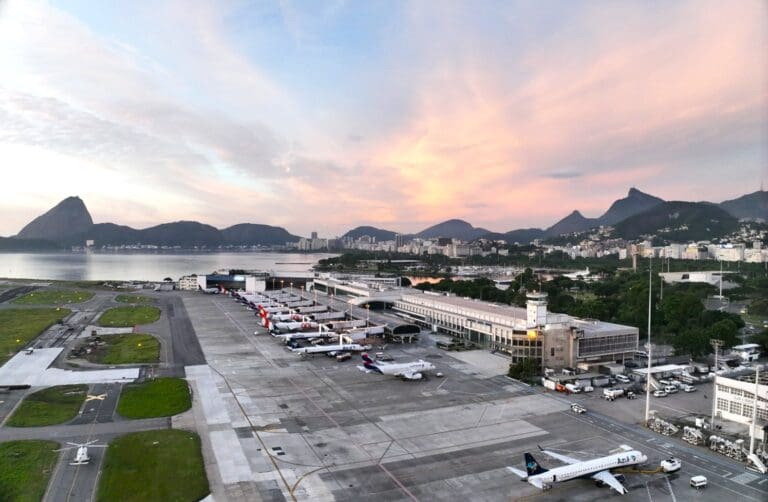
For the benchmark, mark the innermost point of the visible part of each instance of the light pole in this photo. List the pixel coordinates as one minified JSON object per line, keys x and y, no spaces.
{"x":281,"y":284}
{"x":302,"y":293}
{"x":273,"y":284}
{"x":716,"y":343}
{"x":291,"y":284}
{"x":754,"y":412}
{"x":367,"y":314}
{"x":650,"y":359}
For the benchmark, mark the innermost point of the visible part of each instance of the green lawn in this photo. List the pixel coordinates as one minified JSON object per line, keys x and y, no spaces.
{"x":162,"y":465}
{"x":54,"y":297}
{"x":19,"y":326}
{"x":25,"y":468}
{"x":161,"y":397}
{"x":126,"y":349}
{"x":51,"y":406}
{"x":133,"y":299}
{"x":129,"y":316}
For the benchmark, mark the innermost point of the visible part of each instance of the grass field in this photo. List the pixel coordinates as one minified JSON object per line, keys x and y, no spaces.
{"x":129,"y":316}
{"x":161,"y":397}
{"x":25,"y":468}
{"x":19,"y":326}
{"x":162,"y":465}
{"x":126,"y":349}
{"x":133,"y":299}
{"x":54,"y":297}
{"x":51,"y":406}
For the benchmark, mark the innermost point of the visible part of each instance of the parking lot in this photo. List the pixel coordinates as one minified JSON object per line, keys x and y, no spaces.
{"x":279,"y":427}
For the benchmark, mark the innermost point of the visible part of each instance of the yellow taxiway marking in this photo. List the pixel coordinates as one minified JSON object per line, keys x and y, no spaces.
{"x":100,"y":397}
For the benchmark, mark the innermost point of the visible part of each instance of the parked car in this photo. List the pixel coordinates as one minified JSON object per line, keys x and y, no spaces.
{"x":622,"y":378}
{"x":659,"y":393}
{"x":689,"y":388}
{"x":587,"y":388}
{"x":577,"y":408}
{"x":670,"y":389}
{"x":671,"y":464}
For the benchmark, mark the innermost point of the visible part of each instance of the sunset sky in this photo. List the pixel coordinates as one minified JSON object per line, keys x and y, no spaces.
{"x":328,"y":115}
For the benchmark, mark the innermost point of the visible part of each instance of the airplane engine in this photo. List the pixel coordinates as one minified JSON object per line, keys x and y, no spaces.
{"x":414,"y":376}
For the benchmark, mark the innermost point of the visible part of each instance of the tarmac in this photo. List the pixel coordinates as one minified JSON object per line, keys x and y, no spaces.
{"x":276,"y":427}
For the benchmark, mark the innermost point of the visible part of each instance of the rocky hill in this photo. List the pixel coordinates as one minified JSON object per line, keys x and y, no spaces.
{"x":753,"y":206}
{"x":67,"y":218}
{"x":456,"y":229}
{"x":679,"y":222}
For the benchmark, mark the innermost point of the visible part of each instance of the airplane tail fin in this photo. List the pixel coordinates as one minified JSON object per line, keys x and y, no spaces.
{"x":366,"y":358}
{"x":532,"y":466}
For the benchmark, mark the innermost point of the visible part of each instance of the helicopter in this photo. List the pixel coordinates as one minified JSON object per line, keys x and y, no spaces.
{"x":81,"y":455}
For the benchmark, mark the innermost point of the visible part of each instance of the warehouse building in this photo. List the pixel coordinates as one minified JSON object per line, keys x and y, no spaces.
{"x":556,"y":340}
{"x":735,"y":400}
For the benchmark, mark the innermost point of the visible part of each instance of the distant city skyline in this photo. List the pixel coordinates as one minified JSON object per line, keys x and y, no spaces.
{"x":322,"y":116}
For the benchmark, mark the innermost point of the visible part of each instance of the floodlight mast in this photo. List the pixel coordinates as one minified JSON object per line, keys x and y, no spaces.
{"x":648,"y":377}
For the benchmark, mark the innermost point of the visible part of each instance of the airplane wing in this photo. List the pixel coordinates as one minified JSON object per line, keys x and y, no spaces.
{"x":608,"y":478}
{"x":561,"y":457}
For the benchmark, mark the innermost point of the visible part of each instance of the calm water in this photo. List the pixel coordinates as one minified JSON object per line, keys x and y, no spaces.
{"x":145,"y":266}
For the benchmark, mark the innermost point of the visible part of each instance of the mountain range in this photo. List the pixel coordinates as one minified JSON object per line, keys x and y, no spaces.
{"x":638,"y":214}
{"x":69,"y":223}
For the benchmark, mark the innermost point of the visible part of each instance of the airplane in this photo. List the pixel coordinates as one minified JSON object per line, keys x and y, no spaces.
{"x":409,"y":371}
{"x":286,"y":317}
{"x":578,"y":275}
{"x":81,"y":456}
{"x":332,"y":349}
{"x":284,"y":327}
{"x":305,"y":336}
{"x":598,"y":469}
{"x":341,"y":347}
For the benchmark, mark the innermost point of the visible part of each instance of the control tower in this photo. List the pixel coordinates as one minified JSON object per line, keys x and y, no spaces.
{"x":537,"y":309}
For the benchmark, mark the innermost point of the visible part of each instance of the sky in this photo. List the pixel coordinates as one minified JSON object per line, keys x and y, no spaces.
{"x":322,"y":116}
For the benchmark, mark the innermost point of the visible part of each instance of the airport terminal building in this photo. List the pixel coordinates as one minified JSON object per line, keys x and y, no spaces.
{"x":556,"y":340}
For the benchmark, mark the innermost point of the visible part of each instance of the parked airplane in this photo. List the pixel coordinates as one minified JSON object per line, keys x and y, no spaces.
{"x":598,"y":469}
{"x":285,"y":327}
{"x":305,"y":336}
{"x":332,"y":349}
{"x":341,"y":347}
{"x":409,"y":371}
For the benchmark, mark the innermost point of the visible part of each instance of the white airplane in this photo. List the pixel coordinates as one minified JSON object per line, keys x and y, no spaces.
{"x":305,"y":336}
{"x":286,"y":327}
{"x":578,"y":275}
{"x":598,"y":469}
{"x":81,"y":455}
{"x":339,"y":347}
{"x":409,"y":371}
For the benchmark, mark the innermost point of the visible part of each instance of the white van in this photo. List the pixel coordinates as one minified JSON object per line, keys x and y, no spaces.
{"x":670,"y":389}
{"x":699,"y":482}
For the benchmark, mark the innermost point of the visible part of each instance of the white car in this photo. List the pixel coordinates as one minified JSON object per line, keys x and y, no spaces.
{"x":689,"y":388}
{"x":622,"y":378}
{"x":670,"y":389}
{"x":660,"y":393}
{"x":671,"y":464}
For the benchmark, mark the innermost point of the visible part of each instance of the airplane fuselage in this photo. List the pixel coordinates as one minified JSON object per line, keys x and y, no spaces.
{"x":589,"y":467}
